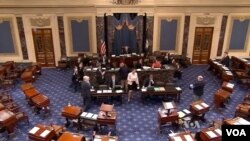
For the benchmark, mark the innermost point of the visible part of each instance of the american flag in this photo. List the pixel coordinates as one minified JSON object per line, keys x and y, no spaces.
{"x":103,"y":47}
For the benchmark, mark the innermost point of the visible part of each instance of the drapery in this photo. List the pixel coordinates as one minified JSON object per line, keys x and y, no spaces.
{"x":125,"y":33}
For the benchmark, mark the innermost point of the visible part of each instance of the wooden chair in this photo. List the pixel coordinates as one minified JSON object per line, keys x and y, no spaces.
{"x":63,"y":63}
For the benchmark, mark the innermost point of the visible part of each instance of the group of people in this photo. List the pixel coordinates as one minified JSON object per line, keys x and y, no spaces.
{"x":127,"y":78}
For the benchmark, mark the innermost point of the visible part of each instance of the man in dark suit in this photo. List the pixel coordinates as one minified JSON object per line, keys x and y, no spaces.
{"x":149,"y":81}
{"x":85,"y":92}
{"x":75,"y":79}
{"x":198,"y":88}
{"x":123,"y":73}
{"x":113,"y":82}
{"x":100,"y":76}
{"x":225,"y":60}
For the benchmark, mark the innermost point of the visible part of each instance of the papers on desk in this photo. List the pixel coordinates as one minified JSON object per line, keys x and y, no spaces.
{"x":177,"y":138}
{"x":230,"y":85}
{"x":119,"y":91}
{"x":89,"y":115}
{"x":188,"y":138}
{"x":168,"y":105}
{"x":143,"y":89}
{"x":178,"y":88}
{"x":45,"y":133}
{"x":229,"y":73}
{"x":242,"y":121}
{"x":99,"y":91}
{"x":92,"y":90}
{"x":95,"y":69}
{"x":138,"y":69}
{"x":162,"y":89}
{"x":107,"y":91}
{"x":181,"y":114}
{"x":218,"y":131}
{"x":83,"y":114}
{"x":204,"y":104}
{"x":211,"y":134}
{"x":34,"y":130}
{"x":186,"y":111}
{"x":88,"y":69}
{"x":146,"y":67}
{"x":112,"y":55}
{"x":198,"y":106}
{"x":94,"y":116}
{"x":225,"y":68}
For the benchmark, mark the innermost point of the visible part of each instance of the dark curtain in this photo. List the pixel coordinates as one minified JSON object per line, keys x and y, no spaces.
{"x":125,"y":32}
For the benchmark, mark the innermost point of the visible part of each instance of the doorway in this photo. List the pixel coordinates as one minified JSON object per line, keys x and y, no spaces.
{"x":43,"y":43}
{"x":202,"y":45}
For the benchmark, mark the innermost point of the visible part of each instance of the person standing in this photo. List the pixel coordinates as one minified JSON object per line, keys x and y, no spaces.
{"x":198,"y":88}
{"x":123,"y":73}
{"x":133,"y":83}
{"x":225,"y":60}
{"x":85,"y":92}
{"x":75,"y":79}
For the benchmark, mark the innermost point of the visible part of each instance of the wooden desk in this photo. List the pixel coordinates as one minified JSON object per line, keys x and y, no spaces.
{"x":28,"y":77}
{"x":104,"y":119}
{"x":240,"y":63}
{"x":199,"y":109}
{"x":89,"y":119}
{"x":184,"y":136}
{"x":157,"y":74}
{"x":42,"y":133}
{"x":228,"y":86}
{"x":165,"y":117}
{"x":106,"y":107}
{"x":31,"y":93}
{"x":105,"y":138}
{"x":72,"y":112}
{"x":211,"y":134}
{"x":220,"y":97}
{"x":8,"y":120}
{"x":107,"y":94}
{"x":41,"y":101}
{"x":68,"y":136}
{"x":221,"y":71}
{"x":168,"y":91}
{"x":236,"y":121}
{"x":129,"y":61}
{"x":26,"y":86}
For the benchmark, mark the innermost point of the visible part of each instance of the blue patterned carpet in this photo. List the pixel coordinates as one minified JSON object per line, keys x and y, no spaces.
{"x":136,"y":121}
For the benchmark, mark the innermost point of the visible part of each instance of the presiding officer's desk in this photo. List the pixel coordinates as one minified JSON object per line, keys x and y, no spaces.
{"x":164,"y":75}
{"x":127,"y":59}
{"x":168,"y":91}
